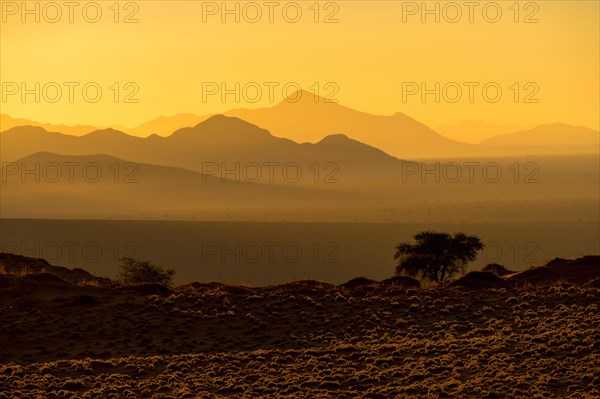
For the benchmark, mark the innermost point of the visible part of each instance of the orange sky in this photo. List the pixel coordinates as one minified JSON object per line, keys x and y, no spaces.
{"x":369,"y":54}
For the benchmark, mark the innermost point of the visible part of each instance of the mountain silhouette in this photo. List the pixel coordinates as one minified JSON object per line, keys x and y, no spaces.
{"x":106,"y":134}
{"x":219,"y":140}
{"x":137,"y":190}
{"x":304,"y":117}
{"x":353,"y":180}
{"x":163,"y":125}
{"x":311,"y":118}
{"x":557,"y":134}
{"x":474,"y":132}
{"x":220,"y":128}
{"x":8,"y":122}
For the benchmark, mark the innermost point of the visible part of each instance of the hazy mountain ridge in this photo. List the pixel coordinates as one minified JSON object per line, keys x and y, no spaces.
{"x":7,"y":122}
{"x":312,"y":118}
{"x":547,"y":135}
{"x":106,"y":186}
{"x":219,"y":139}
{"x":474,"y":132}
{"x":226,"y":161}
{"x":102,"y":186}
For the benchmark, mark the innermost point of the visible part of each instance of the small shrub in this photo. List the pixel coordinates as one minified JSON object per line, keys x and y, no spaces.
{"x":89,"y":283}
{"x":139,"y":272}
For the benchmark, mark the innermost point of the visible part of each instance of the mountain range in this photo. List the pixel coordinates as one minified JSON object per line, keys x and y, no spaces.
{"x":215,"y":146}
{"x":227,"y":163}
{"x":8,"y":122}
{"x":548,"y":135}
{"x":312,"y":118}
{"x":105,"y":186}
{"x":233,"y":162}
{"x":474,"y":132}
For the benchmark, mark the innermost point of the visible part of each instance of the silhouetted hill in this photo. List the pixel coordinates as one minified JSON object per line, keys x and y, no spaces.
{"x":218,"y":139}
{"x":220,"y":127}
{"x":497,"y":269}
{"x":101,"y":186}
{"x":557,"y":134}
{"x":480,"y":280}
{"x":577,"y":271}
{"x":336,"y":168}
{"x":8,"y":122}
{"x":22,"y":265}
{"x":312,"y":118}
{"x":474,"y":132}
{"x":218,"y":145}
{"x":106,"y":134}
{"x":163,"y":125}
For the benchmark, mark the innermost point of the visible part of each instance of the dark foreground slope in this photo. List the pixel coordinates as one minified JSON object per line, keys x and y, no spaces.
{"x":301,"y":339}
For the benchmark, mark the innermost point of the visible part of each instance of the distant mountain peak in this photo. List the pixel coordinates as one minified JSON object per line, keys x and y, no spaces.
{"x":223,"y":126}
{"x":220,"y":118}
{"x":179,"y":115}
{"x":341,"y":142}
{"x":226,"y":122}
{"x":106,"y":133}
{"x":300,"y":95}
{"x":27,"y":128}
{"x":557,"y":125}
{"x":7,"y":122}
{"x":306,"y":98}
{"x":553,"y":134}
{"x":47,"y":156}
{"x":335,"y":139}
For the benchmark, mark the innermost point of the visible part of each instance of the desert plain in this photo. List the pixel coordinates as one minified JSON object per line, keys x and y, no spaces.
{"x":68,"y":334}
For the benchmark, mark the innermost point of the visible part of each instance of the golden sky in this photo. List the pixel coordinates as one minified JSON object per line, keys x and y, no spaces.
{"x":371,"y":55}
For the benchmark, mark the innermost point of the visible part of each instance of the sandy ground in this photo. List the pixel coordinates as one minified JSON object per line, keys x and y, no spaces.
{"x":300,"y":340}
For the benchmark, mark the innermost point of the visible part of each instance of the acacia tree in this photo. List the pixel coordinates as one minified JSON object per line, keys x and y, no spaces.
{"x":437,"y":256}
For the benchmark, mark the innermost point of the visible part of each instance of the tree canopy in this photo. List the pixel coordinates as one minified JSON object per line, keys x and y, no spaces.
{"x":133,"y":271}
{"x":437,"y":256}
